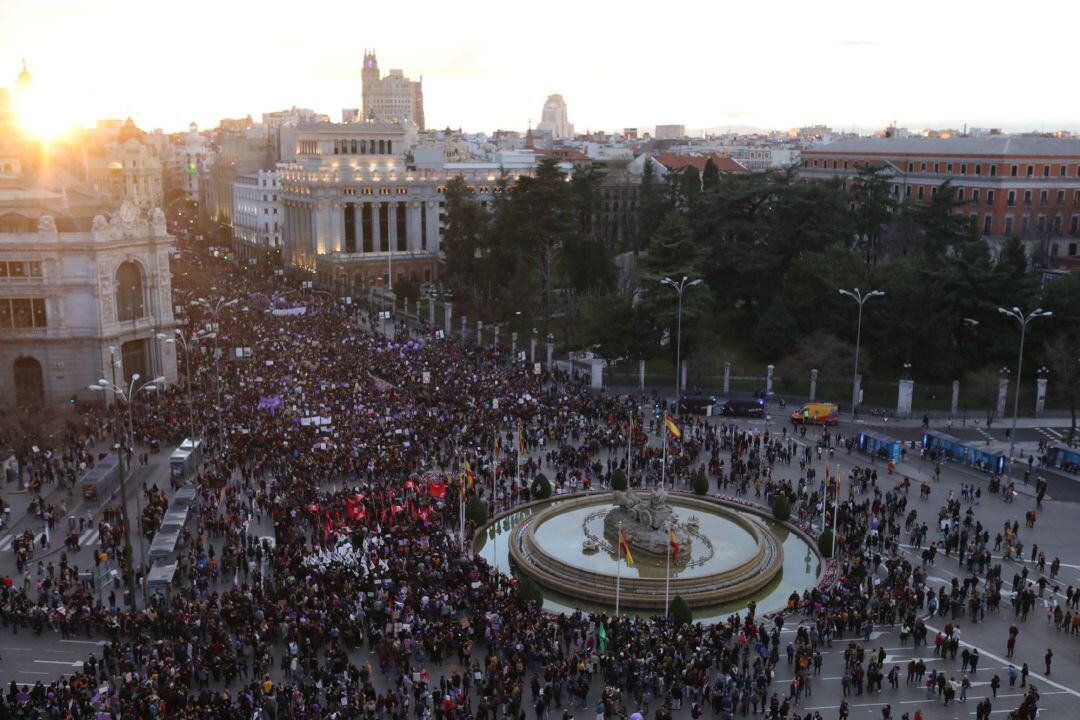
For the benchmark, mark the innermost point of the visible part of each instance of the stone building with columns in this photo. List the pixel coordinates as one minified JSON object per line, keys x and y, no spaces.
{"x":363,"y":205}
{"x":74,"y":300}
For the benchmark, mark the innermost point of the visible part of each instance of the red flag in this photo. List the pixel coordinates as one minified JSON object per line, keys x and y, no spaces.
{"x":437,"y":490}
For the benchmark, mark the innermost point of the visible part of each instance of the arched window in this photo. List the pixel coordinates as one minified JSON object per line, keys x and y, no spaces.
{"x":129,"y":292}
{"x":29,"y":382}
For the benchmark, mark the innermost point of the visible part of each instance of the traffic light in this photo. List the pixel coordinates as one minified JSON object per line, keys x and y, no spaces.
{"x":71,"y":400}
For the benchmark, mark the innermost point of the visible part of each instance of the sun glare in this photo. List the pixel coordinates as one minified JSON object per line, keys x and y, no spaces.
{"x":43,"y":117}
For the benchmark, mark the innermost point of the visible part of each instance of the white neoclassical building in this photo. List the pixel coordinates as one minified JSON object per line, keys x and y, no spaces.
{"x":126,"y":167}
{"x":73,"y":301}
{"x":364,"y":206}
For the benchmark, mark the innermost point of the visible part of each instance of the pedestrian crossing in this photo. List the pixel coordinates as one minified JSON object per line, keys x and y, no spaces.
{"x":1051,"y":433}
{"x":87,"y":539}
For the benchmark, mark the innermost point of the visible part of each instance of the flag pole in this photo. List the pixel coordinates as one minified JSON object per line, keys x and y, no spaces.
{"x":663,"y":464}
{"x":667,"y":572}
{"x":836,"y":512}
{"x":629,"y":448}
{"x":618,"y":567}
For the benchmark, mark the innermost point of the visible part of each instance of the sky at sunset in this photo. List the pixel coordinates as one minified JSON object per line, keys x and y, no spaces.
{"x":490,"y":65}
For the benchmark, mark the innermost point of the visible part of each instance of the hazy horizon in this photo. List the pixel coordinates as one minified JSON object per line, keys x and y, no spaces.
{"x":841,"y":66}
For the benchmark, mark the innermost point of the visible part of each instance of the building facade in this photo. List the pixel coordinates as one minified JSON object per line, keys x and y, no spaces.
{"x":188,"y":160}
{"x":126,"y":168}
{"x":554,"y":120}
{"x":361,"y":211}
{"x":74,"y":303}
{"x":257,"y":216}
{"x":1010,"y":186}
{"x":669,"y":132}
{"x":391,"y":98}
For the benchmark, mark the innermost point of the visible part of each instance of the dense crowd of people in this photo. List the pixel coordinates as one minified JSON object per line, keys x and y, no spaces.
{"x":365,"y":601}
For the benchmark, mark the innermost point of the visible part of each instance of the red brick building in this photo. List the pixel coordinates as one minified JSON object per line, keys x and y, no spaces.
{"x":1025,"y":187}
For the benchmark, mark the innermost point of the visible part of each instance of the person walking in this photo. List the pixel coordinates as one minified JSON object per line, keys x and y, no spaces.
{"x":1048,"y":657}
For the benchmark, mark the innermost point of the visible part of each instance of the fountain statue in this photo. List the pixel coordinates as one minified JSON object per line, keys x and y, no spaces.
{"x":645,"y":520}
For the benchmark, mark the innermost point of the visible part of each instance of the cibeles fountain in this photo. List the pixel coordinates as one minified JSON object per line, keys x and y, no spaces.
{"x":728,"y":553}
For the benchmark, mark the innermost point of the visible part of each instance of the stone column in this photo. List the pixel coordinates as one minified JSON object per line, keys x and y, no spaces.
{"x":727,"y":377}
{"x":641,"y":374}
{"x":495,"y":338}
{"x":480,"y":333}
{"x":955,"y":404}
{"x":682,"y":378}
{"x":376,"y":227}
{"x":550,"y":355}
{"x":412,"y":234}
{"x":1003,"y":393}
{"x":447,"y":317}
{"x":769,"y":369}
{"x":391,"y":227}
{"x":1040,"y":394}
{"x":431,"y":311}
{"x":339,"y":227}
{"x":904,"y":396}
{"x":813,"y":385}
{"x":464,"y":328}
{"x":513,"y":346}
{"x":433,"y":227}
{"x":532,"y":349}
{"x":358,"y":225}
{"x":597,"y":375}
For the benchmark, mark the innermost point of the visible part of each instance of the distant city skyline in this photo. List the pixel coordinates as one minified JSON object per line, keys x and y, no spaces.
{"x":919,"y":66}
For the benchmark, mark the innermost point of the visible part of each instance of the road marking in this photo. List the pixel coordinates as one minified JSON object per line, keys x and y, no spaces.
{"x":77,"y":663}
{"x":6,"y":541}
{"x":87,"y":642}
{"x":33,"y":672}
{"x":90,"y":538}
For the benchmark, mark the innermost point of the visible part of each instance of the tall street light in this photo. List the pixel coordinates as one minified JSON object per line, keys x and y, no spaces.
{"x":680,"y":288}
{"x":860,"y":299}
{"x":186,"y":342}
{"x":1016,"y":314}
{"x":127,"y":396}
{"x":214,"y":310}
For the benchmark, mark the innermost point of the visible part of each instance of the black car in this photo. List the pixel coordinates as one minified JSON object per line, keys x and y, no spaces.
{"x":696,"y":404}
{"x":744,"y":407}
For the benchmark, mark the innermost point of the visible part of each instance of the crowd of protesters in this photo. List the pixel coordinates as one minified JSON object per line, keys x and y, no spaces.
{"x":364,"y":602}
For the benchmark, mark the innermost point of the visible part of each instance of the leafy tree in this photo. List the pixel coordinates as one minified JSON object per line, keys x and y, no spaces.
{"x":700,"y":484}
{"x":825,"y":543}
{"x":618,"y":480}
{"x":777,"y":331}
{"x":942,"y":229}
{"x":465,"y":244}
{"x":654,"y":203}
{"x":476,"y":511}
{"x":621,"y":328}
{"x":529,"y":592}
{"x":710,"y":176}
{"x":874,"y":205}
{"x":1063,"y":359}
{"x":680,"y":612}
{"x":541,"y":487}
{"x":781,"y":508}
{"x":672,"y":253}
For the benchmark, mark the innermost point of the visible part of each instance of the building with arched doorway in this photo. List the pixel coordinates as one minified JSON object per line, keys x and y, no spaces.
{"x":78,"y":302}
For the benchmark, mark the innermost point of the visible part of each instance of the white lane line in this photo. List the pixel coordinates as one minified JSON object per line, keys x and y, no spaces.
{"x":76,"y":663}
{"x":6,"y":541}
{"x":87,"y":642}
{"x":33,"y":672}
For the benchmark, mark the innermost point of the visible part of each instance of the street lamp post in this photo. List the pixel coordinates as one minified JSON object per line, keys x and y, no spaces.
{"x":127,"y":396}
{"x":186,"y":342}
{"x":214,"y":309}
{"x":1016,"y":314}
{"x":860,"y":299}
{"x":680,"y":288}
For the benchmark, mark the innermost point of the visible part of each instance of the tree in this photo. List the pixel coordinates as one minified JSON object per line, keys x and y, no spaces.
{"x":700,"y":484}
{"x":942,"y":228}
{"x":874,"y":205}
{"x":619,"y":328}
{"x":465,"y":244}
{"x":777,"y":332}
{"x":672,"y":253}
{"x":1063,"y":359}
{"x":529,"y":592}
{"x":825,"y":543}
{"x":689,"y":185}
{"x":618,"y":480}
{"x":781,"y":508}
{"x":476,"y":511}
{"x":710,"y":176}
{"x":654,"y":203}
{"x":541,"y":487}
{"x":681,"y":614}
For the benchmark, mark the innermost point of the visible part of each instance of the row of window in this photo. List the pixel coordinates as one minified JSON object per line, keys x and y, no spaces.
{"x":20,"y":269}
{"x":1010,"y":198}
{"x":1045,"y":171}
{"x":22,"y":313}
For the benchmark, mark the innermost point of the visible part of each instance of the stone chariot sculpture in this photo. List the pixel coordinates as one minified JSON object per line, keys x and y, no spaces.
{"x":645,"y":520}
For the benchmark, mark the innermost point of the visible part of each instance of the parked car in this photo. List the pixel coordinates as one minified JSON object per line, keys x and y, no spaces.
{"x":816,"y":413}
{"x":744,"y":407}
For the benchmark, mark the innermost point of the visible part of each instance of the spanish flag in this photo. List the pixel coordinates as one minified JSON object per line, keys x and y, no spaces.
{"x":674,"y":546}
{"x":625,"y":547}
{"x":521,"y":443}
{"x":672,"y":427}
{"x":469,"y":477}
